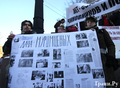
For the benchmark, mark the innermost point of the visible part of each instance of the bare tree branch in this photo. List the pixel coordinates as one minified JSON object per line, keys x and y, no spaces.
{"x":82,"y":1}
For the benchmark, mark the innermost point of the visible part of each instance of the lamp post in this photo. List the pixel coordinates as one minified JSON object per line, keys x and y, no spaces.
{"x":38,"y":17}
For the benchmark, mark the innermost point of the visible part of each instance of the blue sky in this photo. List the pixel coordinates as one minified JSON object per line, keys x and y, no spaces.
{"x":13,"y":12}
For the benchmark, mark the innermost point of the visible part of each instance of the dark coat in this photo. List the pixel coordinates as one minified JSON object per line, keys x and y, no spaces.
{"x":105,"y":42}
{"x":7,"y":47}
{"x":115,"y":18}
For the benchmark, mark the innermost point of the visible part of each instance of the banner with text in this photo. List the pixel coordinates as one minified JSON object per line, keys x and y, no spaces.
{"x":78,"y":12}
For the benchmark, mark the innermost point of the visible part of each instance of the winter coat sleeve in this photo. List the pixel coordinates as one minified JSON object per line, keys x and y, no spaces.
{"x":101,"y":22}
{"x":57,"y":24}
{"x":109,"y":43}
{"x":7,"y":47}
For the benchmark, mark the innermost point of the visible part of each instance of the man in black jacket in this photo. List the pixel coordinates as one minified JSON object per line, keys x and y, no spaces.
{"x":26,"y":28}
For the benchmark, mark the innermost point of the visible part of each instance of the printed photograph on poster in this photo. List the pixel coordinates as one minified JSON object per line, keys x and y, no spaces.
{"x":38,"y":85}
{"x":77,"y":85}
{"x":56,"y":64}
{"x":25,"y":63}
{"x":51,"y":85}
{"x":49,"y":77}
{"x":84,"y":57}
{"x":56,"y":54}
{"x":83,"y":43}
{"x":58,"y":74}
{"x":59,"y":83}
{"x":42,"y":63}
{"x":97,"y":73}
{"x":38,"y":75}
{"x":81,"y":36}
{"x":83,"y":68}
{"x":43,"y":53}
{"x":27,"y":53}
{"x":12,"y":60}
{"x":16,"y":40}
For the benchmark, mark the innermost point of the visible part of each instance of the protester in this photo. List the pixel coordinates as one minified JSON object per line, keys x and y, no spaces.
{"x":72,"y":28}
{"x":104,"y":21}
{"x":105,"y":42}
{"x":115,"y":18}
{"x":26,"y":28}
{"x":58,"y":24}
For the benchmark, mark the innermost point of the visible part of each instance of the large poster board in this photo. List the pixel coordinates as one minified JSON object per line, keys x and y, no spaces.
{"x":61,"y":60}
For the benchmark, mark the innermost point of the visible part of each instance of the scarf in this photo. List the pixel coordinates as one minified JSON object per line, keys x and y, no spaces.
{"x":106,"y":23}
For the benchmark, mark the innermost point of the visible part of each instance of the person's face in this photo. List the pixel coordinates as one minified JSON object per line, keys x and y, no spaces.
{"x":27,"y":26}
{"x":63,"y":21}
{"x":90,"y":23}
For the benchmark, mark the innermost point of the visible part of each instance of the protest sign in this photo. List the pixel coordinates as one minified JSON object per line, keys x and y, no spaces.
{"x":61,"y":60}
{"x":78,"y":12}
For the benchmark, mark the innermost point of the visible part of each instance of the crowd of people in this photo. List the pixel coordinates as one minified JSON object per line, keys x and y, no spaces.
{"x":105,"y":20}
{"x":105,"y":42}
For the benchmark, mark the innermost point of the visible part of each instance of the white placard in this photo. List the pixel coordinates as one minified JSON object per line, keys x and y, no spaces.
{"x":61,"y":60}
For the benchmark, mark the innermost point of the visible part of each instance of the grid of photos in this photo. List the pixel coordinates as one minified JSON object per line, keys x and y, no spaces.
{"x":56,"y":67}
{"x":81,"y":36}
{"x":81,"y":40}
